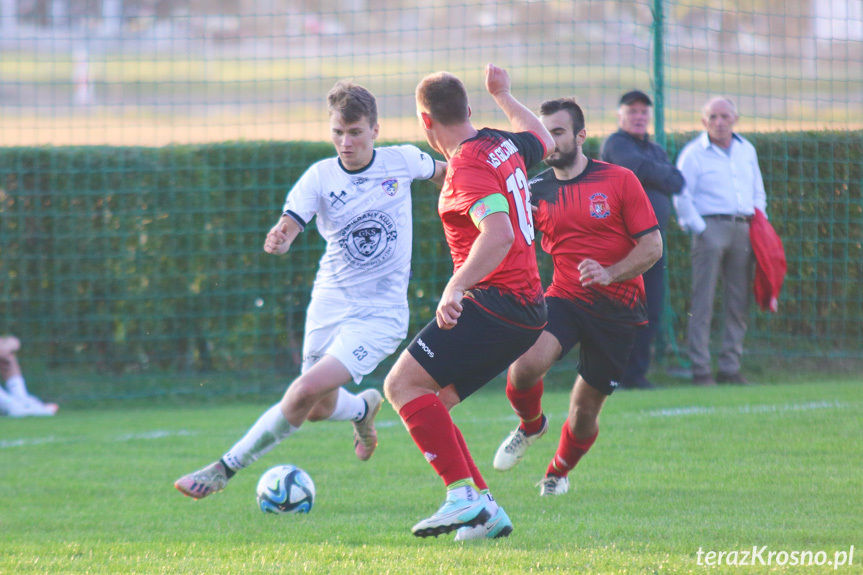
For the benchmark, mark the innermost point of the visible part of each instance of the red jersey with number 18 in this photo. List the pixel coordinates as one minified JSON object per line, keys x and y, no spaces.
{"x":494,"y":162}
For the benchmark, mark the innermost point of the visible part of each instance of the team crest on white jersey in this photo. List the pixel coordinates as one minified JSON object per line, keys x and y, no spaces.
{"x":390,"y":187}
{"x":369,"y":239}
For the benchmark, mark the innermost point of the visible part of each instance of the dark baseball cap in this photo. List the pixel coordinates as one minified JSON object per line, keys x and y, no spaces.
{"x":635,"y":96}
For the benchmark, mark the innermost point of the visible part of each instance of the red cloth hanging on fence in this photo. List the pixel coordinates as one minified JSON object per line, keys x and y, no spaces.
{"x":770,"y":263}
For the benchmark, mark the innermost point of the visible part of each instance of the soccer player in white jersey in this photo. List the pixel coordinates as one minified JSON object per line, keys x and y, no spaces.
{"x":358,"y":314}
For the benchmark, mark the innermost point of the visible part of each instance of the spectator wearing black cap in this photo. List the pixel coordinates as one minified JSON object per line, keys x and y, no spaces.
{"x":631,"y":148}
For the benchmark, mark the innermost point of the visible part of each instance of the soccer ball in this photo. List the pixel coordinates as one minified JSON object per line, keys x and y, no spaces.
{"x":286,"y":489}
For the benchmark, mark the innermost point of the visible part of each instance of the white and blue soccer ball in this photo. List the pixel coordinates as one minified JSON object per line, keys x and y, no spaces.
{"x":286,"y":489}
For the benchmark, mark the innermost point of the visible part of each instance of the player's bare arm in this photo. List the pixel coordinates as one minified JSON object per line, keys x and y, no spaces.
{"x":439,"y":173}
{"x":489,"y":249}
{"x":647,"y":251}
{"x":498,"y":83}
{"x":281,"y":236}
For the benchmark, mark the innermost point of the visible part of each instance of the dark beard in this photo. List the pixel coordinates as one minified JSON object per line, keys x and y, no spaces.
{"x":564,"y":160}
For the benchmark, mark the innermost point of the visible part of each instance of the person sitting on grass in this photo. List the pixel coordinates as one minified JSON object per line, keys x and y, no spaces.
{"x":15,"y":400}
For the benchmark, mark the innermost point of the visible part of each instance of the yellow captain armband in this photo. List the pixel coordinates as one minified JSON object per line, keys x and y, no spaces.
{"x":487,"y":206}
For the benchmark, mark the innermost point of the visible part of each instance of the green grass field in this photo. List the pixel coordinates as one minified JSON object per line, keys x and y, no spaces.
{"x":673,"y":471}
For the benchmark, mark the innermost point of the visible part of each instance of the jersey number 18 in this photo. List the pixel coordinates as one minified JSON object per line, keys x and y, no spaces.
{"x":516,"y":184}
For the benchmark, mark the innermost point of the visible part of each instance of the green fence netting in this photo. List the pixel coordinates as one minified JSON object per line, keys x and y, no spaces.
{"x":146,"y":148}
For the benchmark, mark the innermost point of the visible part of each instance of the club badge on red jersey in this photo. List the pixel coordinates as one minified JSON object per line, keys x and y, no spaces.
{"x":599,"y":206}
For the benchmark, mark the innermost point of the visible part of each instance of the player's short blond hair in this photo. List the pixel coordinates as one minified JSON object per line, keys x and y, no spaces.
{"x":443,"y":96}
{"x":353,"y":102}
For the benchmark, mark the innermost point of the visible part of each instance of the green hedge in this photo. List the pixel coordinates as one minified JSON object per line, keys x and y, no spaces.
{"x":133,"y":259}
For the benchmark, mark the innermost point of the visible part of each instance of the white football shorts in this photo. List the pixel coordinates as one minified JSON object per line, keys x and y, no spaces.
{"x":359,"y":337}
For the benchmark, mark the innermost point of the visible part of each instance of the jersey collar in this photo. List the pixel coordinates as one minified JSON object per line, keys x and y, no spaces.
{"x":361,"y":170}
{"x":587,"y":169}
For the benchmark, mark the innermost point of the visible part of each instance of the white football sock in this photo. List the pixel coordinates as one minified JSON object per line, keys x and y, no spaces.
{"x":465,"y":492}
{"x":270,"y":430}
{"x":490,"y":503}
{"x":16,"y":386}
{"x":349,"y":407}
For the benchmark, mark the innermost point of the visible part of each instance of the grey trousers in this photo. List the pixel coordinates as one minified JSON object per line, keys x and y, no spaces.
{"x":721,"y":250}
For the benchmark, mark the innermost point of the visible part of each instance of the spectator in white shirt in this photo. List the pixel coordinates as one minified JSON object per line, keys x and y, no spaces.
{"x":723,"y":188}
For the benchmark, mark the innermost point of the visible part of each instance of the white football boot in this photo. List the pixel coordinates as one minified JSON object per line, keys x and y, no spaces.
{"x":197,"y":485}
{"x":365,"y":436}
{"x":453,"y":514}
{"x":515,"y":446}
{"x":553,"y":485}
{"x":498,"y":526}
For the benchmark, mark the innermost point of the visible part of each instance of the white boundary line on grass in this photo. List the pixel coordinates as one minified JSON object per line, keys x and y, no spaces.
{"x":4,"y":443}
{"x":663,"y":412}
{"x":156,"y":434}
{"x":745,"y":409}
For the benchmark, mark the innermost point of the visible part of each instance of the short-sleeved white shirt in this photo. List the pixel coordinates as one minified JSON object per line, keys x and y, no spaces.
{"x":365,"y":218}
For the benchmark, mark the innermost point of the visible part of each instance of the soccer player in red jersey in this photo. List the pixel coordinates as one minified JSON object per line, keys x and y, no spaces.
{"x":601,"y":232}
{"x":491,"y":310}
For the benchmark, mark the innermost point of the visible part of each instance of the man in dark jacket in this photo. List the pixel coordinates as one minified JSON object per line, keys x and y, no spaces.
{"x":631,"y":148}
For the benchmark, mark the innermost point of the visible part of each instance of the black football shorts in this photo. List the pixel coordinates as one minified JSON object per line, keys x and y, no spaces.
{"x":474,"y":352}
{"x":605,"y":345}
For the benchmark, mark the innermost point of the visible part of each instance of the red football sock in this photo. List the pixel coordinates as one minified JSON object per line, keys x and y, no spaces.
{"x":569,"y":451}
{"x":474,"y":470}
{"x":527,"y":404}
{"x":432,"y":429}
